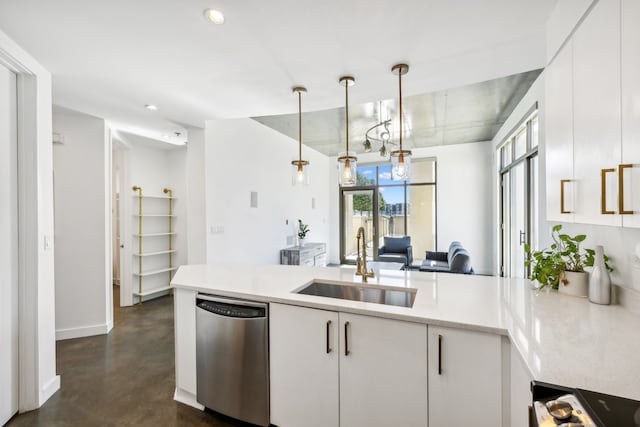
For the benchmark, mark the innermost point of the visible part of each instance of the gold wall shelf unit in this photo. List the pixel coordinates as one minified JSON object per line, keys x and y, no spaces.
{"x":168,"y":233}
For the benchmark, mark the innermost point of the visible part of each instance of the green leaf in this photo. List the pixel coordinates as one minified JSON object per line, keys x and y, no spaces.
{"x":557,"y":227}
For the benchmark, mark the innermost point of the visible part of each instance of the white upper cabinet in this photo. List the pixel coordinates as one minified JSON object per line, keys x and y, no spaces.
{"x":597,"y":114}
{"x":465,"y":378}
{"x":630,"y":176}
{"x":593,"y":120}
{"x":559,"y":136}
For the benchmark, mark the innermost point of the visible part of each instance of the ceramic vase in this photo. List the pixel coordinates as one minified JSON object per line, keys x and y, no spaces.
{"x":301,"y":241}
{"x":574,"y":283}
{"x":599,"y":282}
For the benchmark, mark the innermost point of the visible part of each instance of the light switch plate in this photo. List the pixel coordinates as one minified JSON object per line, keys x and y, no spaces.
{"x":254,"y":199}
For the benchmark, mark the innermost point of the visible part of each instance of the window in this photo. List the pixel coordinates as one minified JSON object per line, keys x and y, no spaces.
{"x":519,"y":195}
{"x":389,"y":208}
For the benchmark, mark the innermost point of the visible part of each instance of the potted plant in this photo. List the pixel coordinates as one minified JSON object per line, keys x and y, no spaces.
{"x":303,"y":229}
{"x":562,"y":265}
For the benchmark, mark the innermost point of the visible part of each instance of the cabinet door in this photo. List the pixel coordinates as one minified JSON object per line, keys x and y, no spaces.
{"x":559,"y":135}
{"x":631,"y":110}
{"x":304,"y":366}
{"x":465,"y":378}
{"x":383,"y":378}
{"x":597,"y":112}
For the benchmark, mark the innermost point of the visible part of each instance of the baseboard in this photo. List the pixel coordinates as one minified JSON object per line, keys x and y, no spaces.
{"x":49,"y":389}
{"x":82,"y":331}
{"x":187,"y":398}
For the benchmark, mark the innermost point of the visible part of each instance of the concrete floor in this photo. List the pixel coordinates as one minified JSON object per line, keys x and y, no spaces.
{"x":126,"y":378}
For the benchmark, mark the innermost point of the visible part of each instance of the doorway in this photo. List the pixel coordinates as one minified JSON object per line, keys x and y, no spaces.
{"x":9,"y":385}
{"x":519,"y":196}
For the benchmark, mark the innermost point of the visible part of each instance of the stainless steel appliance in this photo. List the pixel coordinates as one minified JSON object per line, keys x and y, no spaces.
{"x":232,"y":357}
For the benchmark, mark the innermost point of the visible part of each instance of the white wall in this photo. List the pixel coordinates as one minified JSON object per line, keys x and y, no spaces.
{"x":242,"y":156}
{"x":196,"y":204}
{"x":82,"y":199}
{"x":152,"y":165}
{"x":463,"y":199}
{"x":38,"y":379}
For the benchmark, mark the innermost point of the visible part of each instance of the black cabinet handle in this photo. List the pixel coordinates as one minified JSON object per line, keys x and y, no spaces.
{"x":328,"y":337}
{"x":439,"y":354}
{"x":346,"y":339}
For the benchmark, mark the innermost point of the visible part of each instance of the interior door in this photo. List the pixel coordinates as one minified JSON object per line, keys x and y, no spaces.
{"x":358,"y":209}
{"x":8,"y":247}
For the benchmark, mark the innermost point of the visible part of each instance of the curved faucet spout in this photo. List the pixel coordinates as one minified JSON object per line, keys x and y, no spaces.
{"x":361,"y":261}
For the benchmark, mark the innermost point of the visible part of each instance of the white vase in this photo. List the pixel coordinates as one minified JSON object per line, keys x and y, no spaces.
{"x":301,"y":241}
{"x":599,"y":282}
{"x":574,"y":283}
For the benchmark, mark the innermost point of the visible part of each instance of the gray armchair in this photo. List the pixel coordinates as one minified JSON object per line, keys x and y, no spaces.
{"x":396,"y":249}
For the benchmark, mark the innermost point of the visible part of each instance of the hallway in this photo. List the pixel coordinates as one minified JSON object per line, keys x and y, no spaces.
{"x":126,"y":378}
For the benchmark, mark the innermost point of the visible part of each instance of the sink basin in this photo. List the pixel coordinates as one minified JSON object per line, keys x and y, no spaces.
{"x":401,"y":297}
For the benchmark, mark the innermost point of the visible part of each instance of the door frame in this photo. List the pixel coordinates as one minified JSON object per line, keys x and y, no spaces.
{"x":36,"y":294}
{"x":374,"y":217}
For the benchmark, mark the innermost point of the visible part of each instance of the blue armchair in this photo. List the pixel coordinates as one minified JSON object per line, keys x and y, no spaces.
{"x":396,"y":249}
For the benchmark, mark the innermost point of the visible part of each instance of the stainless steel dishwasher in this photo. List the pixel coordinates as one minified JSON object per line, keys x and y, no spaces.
{"x":232,"y":357}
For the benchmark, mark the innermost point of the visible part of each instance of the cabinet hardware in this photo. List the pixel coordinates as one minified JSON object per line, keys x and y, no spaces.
{"x":346,"y":339}
{"x":328,"y":337}
{"x":621,"y":209}
{"x":562,"y":209}
{"x":439,"y":354}
{"x":522,"y":237}
{"x":603,"y":192}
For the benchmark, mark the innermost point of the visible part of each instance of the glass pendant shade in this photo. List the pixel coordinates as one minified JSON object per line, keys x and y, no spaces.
{"x":347,"y":167}
{"x":400,"y":165}
{"x":299,"y":172}
{"x":347,"y":162}
{"x":300,"y":168}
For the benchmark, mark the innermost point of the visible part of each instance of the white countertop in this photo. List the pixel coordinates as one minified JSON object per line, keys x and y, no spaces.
{"x":562,"y":339}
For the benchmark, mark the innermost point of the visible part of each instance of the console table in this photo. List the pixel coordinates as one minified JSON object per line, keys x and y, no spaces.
{"x":311,"y":254}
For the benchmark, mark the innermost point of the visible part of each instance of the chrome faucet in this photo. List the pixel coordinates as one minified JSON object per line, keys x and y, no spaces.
{"x":361,"y":262}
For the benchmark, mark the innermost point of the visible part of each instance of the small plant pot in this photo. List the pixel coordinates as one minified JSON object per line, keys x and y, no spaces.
{"x":574,"y":283}
{"x":301,"y":241}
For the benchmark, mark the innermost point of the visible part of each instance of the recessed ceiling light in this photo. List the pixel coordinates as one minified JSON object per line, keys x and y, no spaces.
{"x":214,"y":16}
{"x":151,"y":107}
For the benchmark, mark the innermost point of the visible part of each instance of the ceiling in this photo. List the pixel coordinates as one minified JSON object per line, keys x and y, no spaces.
{"x":110,"y":58}
{"x":454,"y":116}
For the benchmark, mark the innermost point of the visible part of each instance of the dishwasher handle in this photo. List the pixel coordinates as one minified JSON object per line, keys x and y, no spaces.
{"x":231,"y":308}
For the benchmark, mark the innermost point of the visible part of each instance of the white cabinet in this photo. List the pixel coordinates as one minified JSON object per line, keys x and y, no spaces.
{"x":465,"y":378}
{"x":559,"y":136}
{"x":596,"y":114}
{"x":354,"y":371}
{"x":520,"y":393}
{"x":630,"y":52}
{"x":383,"y":378}
{"x":304,"y":366}
{"x":593,"y":120}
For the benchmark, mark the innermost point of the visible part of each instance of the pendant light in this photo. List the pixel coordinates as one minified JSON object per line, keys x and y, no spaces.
{"x":347,"y":162}
{"x":400,"y":159}
{"x":300,"y":167}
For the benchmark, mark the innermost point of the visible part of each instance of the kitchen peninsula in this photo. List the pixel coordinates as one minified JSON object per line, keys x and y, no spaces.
{"x":481,"y":338}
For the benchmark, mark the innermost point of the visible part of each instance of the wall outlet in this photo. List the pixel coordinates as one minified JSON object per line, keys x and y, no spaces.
{"x":313,"y":203}
{"x":217,"y":229}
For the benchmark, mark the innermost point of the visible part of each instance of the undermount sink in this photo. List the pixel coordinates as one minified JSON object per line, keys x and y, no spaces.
{"x":401,"y":297}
